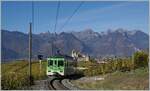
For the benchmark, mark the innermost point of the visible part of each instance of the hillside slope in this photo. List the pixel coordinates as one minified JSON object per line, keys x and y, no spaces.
{"x":117,"y":43}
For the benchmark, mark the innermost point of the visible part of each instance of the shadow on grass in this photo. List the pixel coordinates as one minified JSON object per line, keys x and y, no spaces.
{"x":74,"y":76}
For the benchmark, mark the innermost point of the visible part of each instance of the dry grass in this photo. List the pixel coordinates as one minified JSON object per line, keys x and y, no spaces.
{"x":134,"y":80}
{"x":15,"y":74}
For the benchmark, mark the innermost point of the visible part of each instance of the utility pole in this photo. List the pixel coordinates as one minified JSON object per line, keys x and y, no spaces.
{"x":30,"y":51}
{"x":52,"y":48}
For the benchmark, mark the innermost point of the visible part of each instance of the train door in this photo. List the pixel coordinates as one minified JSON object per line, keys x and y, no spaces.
{"x":55,"y":65}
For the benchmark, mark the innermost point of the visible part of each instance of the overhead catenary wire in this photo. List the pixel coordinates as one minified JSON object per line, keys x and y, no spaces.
{"x":57,"y":13}
{"x":55,"y":27}
{"x":79,"y":6}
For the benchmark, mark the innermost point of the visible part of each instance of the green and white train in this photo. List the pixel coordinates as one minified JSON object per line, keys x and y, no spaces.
{"x":61,"y":65}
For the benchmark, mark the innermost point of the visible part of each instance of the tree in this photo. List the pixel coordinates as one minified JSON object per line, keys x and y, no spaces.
{"x":140,"y":59}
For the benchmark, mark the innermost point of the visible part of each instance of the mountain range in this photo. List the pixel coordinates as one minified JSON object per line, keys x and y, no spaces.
{"x":119,"y":42}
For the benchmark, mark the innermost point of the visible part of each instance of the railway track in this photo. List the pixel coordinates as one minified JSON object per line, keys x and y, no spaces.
{"x":56,"y":84}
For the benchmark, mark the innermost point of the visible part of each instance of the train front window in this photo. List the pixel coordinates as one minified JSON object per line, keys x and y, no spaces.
{"x":50,"y":62}
{"x":60,"y":63}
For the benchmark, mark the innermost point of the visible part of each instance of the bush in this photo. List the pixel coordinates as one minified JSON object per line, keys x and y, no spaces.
{"x":140,"y":59}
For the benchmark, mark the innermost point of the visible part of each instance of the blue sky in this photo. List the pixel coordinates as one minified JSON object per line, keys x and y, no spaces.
{"x":98,"y":15}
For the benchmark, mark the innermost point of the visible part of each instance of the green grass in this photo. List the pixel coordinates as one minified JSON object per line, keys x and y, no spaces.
{"x":15,"y":75}
{"x":134,"y":80}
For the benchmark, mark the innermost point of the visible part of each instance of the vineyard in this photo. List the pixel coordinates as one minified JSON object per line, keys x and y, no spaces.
{"x":139,"y":59}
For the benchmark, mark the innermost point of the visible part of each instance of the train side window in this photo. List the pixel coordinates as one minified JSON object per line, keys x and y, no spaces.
{"x":66,"y":64}
{"x":60,"y":63}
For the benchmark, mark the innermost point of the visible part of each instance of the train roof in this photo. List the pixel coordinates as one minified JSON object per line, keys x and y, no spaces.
{"x":62,"y":56}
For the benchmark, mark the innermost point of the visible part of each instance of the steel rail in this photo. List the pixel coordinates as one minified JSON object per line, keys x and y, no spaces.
{"x":56,"y":84}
